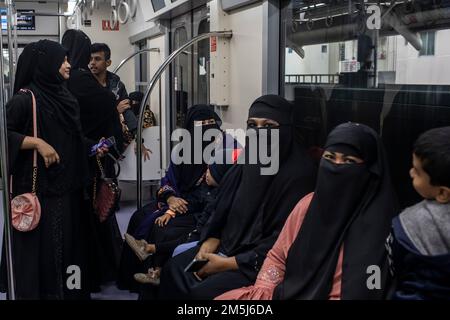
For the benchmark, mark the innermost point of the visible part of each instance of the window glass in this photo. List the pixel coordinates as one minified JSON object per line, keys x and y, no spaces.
{"x":384,"y":66}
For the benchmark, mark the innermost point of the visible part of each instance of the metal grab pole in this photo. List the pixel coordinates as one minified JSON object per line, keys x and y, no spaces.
{"x":16,"y":48}
{"x":5,"y":186}
{"x":133,"y":55}
{"x":151,"y":85}
{"x":10,"y":47}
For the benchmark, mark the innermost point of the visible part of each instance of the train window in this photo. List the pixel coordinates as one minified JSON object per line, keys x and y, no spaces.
{"x":201,"y":86}
{"x":158,"y":4}
{"x":142,"y":69}
{"x":428,"y":38}
{"x":181,"y":80}
{"x":382,"y":66}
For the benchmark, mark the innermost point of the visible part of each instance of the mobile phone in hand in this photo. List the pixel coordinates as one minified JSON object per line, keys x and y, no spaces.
{"x":195,"y":265}
{"x":104,"y":143}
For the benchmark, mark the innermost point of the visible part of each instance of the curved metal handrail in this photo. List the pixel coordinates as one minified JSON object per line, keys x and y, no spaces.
{"x":133,"y":55}
{"x":151,"y":85}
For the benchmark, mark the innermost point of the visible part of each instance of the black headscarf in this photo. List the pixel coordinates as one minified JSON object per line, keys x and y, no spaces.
{"x":53,"y":95}
{"x":78,"y":46}
{"x":352,"y":207}
{"x":98,"y":114}
{"x":25,"y":67}
{"x":251,"y":208}
{"x":57,"y":116}
{"x":187,"y":175}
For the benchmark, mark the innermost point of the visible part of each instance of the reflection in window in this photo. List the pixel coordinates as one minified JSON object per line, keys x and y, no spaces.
{"x":336,"y":70}
{"x":428,"y":38}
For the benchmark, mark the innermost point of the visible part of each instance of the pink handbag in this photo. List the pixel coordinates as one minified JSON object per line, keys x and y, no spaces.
{"x":25,"y":208}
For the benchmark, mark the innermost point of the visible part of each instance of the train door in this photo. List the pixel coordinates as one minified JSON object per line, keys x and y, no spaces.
{"x":141,"y":67}
{"x":189,"y":72}
{"x":201,"y":58}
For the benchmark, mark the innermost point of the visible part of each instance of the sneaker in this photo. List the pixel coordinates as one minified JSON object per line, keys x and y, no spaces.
{"x":146,"y":278}
{"x":138,"y":246}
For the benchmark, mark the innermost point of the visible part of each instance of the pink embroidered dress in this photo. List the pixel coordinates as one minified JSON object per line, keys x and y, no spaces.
{"x":273,"y":268}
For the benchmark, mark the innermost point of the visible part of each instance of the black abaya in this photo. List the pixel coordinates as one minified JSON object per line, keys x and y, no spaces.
{"x":189,"y":288}
{"x":41,"y":256}
{"x":99,"y":119}
{"x":352,"y":207}
{"x":180,"y":181}
{"x":251,"y":208}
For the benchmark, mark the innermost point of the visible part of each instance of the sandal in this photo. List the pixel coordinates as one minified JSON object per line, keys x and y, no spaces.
{"x":152,"y":277}
{"x":138,"y":246}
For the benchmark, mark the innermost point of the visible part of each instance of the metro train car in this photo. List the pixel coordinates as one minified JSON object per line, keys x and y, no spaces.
{"x":378,"y":69}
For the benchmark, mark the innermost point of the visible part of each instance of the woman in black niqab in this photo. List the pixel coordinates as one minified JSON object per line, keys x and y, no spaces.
{"x":180,"y":181}
{"x":41,"y":256}
{"x":187,"y":175}
{"x":352,"y":207}
{"x":251,"y":208}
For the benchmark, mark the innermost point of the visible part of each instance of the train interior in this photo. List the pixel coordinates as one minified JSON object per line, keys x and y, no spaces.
{"x":385,"y":64}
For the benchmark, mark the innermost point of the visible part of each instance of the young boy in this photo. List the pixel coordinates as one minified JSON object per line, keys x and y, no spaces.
{"x":419,"y":245}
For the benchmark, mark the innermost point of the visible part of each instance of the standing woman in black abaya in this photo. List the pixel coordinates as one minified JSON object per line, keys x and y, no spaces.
{"x":41,"y":257}
{"x":99,"y":119}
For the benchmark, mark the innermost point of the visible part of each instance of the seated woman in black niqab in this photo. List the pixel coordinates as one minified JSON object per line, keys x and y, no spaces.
{"x":250,"y":212}
{"x":99,"y":119}
{"x":41,"y":256}
{"x":180,"y":190}
{"x":333,"y":244}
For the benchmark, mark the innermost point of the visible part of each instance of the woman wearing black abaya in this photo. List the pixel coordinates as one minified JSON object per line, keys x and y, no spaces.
{"x":178,"y":189}
{"x":99,"y":119}
{"x":250,"y":212}
{"x":42,"y":256}
{"x":336,"y":235}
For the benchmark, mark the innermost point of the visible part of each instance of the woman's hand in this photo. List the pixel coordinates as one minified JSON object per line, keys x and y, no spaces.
{"x":163,"y":220}
{"x":102,"y":151}
{"x":47,"y":152}
{"x":216,"y":264}
{"x":177,"y":204}
{"x":123,"y":105}
{"x":209,"y":246}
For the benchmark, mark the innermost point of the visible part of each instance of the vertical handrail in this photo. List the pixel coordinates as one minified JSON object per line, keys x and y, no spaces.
{"x":10,"y":47}
{"x":5,"y":178}
{"x":16,"y":48}
{"x":208,"y":82}
{"x":150,"y":86}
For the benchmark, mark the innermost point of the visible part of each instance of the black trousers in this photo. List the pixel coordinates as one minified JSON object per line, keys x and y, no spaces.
{"x":179,"y":285}
{"x":167,"y":238}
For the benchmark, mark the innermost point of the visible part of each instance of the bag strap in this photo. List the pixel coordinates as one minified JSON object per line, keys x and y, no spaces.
{"x":102,"y":171}
{"x":33,"y":188}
